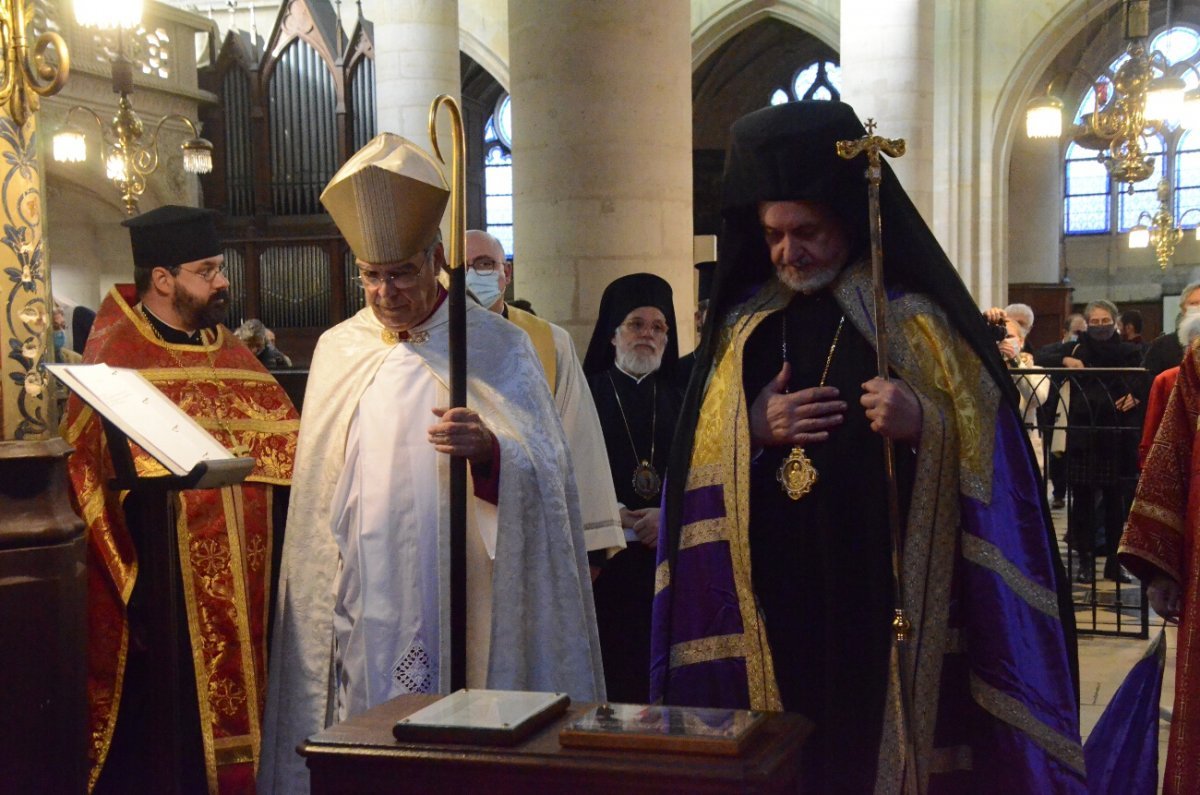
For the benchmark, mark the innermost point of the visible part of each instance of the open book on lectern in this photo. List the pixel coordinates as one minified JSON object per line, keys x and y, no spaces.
{"x":148,"y":417}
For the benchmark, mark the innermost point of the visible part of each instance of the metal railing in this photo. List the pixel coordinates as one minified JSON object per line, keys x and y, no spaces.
{"x":1085,"y":425}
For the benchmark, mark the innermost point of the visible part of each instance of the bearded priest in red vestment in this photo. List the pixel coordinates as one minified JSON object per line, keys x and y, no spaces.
{"x":167,"y":325}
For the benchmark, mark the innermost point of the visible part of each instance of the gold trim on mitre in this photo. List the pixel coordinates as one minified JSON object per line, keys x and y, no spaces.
{"x":387,"y":200}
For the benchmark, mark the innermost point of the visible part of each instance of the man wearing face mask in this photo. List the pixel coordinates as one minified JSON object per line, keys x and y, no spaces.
{"x":1103,"y":421}
{"x":1165,"y":351}
{"x":488,"y":274}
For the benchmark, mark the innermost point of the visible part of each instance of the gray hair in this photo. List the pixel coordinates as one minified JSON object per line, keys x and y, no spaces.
{"x":1107,"y":306}
{"x":252,"y":332}
{"x":1187,"y":290}
{"x":1022,"y":315}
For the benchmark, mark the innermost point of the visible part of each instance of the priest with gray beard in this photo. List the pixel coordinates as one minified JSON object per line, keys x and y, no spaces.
{"x":630,"y":367}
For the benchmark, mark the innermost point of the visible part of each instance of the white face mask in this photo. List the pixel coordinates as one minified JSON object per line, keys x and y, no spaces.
{"x":485,"y":286}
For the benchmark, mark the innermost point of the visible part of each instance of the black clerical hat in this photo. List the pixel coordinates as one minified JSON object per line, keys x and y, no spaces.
{"x":172,"y":235}
{"x":705,"y":270}
{"x":788,"y":152}
{"x":620,"y":298}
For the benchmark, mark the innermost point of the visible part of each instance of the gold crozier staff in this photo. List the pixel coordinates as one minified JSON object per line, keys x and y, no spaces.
{"x":872,"y":145}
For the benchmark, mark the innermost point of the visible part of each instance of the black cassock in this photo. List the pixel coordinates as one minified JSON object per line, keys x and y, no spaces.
{"x":625,"y":588}
{"x":822,"y":564}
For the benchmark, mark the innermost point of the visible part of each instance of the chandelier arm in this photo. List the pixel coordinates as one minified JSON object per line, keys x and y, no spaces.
{"x":146,"y":158}
{"x":1158,"y":61}
{"x":143,"y":160}
{"x":90,"y":114}
{"x":191,"y":125}
{"x":9,"y":80}
{"x":43,"y":78}
{"x":1186,"y":213}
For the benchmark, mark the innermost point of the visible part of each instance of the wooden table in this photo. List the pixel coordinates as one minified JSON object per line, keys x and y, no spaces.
{"x":360,"y":756}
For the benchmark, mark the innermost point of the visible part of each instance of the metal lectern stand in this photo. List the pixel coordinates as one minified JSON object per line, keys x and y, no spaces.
{"x":163,"y":733}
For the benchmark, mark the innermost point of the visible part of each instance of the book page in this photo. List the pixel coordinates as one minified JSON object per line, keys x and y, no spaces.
{"x":143,"y":413}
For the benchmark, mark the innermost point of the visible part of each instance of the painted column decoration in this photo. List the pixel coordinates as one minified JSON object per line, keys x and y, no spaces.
{"x":26,"y":400}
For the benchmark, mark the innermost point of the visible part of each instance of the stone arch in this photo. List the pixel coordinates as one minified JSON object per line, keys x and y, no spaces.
{"x":819,"y":18}
{"x":1024,"y":80}
{"x":474,"y":47}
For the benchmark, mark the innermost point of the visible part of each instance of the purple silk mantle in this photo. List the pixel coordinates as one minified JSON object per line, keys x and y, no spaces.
{"x":994,"y":708}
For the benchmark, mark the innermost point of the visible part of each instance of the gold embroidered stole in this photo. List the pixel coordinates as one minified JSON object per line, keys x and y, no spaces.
{"x":224,"y":535}
{"x":715,"y":460}
{"x":542,"y":338}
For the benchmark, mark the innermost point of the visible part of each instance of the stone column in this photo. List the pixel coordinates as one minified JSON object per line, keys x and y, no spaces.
{"x":26,"y":403}
{"x":416,"y":59}
{"x":43,"y":687}
{"x":1035,"y":211}
{"x":602,"y":153}
{"x":887,"y":74}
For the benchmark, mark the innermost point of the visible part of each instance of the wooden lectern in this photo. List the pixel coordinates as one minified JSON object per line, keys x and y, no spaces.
{"x":157,"y":745}
{"x":360,"y":756}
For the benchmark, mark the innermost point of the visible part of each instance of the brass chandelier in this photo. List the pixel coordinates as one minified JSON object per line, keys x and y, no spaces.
{"x":130,"y":154}
{"x":1148,"y":97}
{"x":1160,"y":229}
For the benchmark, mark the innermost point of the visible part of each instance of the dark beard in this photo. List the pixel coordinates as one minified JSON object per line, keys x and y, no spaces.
{"x":200,"y":314}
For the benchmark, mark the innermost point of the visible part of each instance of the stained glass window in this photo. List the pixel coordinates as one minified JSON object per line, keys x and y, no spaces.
{"x":1088,"y":192}
{"x":1178,"y":43}
{"x":1187,"y":179}
{"x":818,"y":80}
{"x":497,"y":173}
{"x":1145,"y":193}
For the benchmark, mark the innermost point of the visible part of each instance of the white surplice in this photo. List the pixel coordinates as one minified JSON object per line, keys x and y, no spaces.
{"x":360,"y":538}
{"x":585,"y":438}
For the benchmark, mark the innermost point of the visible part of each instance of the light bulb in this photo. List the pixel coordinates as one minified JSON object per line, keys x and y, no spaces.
{"x":1164,"y":99}
{"x":109,"y":13}
{"x":70,"y":146}
{"x":114,"y":167}
{"x":197,"y":156}
{"x":1043,"y":117}
{"x":1139,"y":237}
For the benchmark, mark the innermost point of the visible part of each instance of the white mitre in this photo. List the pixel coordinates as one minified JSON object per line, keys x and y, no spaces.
{"x":387,"y":200}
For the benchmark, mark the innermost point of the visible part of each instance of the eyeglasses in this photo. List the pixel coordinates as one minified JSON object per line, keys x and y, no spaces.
{"x":403,"y":278}
{"x":1100,"y":321}
{"x":637,"y":326}
{"x":483,"y":264}
{"x":209,"y":274}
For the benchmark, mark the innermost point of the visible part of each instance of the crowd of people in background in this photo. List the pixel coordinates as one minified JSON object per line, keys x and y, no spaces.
{"x":1091,"y":432}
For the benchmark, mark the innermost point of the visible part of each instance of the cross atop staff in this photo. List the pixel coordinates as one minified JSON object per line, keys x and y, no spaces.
{"x":872,"y":145}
